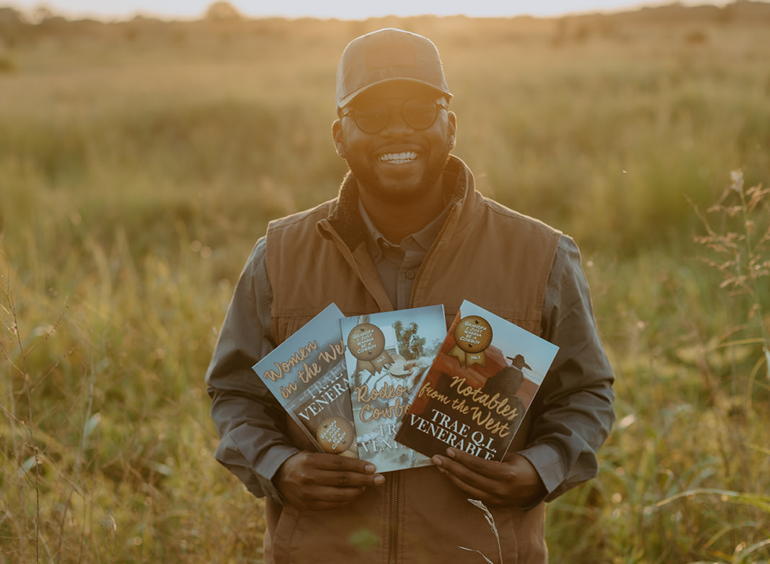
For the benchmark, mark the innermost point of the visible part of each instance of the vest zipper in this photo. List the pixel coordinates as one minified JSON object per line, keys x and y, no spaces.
{"x":394,"y":520}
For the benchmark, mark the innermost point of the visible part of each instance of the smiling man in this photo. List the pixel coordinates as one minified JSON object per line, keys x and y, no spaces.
{"x":397,"y":162}
{"x":408,"y":229}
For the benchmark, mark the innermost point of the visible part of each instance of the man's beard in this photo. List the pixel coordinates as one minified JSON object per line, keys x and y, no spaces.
{"x":370,"y":182}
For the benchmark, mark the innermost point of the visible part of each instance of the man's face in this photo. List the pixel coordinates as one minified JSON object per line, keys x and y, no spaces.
{"x":399,"y":163}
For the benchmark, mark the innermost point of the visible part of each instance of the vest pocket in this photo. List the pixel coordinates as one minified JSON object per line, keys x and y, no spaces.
{"x":438,"y":519}
{"x":283,"y":533}
{"x":529,"y":528}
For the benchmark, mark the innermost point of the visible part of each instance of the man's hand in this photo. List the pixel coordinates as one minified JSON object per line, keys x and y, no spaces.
{"x":324,"y":481}
{"x":512,"y":482}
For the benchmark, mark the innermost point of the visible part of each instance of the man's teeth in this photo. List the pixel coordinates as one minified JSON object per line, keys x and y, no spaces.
{"x":398,"y":158}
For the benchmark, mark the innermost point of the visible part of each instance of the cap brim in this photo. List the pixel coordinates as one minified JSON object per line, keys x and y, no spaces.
{"x":349,"y":98}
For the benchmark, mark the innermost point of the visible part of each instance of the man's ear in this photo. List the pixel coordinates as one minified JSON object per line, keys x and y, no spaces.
{"x":452,"y":134}
{"x":337,"y":137}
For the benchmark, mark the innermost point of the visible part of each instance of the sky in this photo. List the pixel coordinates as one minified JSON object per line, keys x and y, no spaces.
{"x":342,"y":9}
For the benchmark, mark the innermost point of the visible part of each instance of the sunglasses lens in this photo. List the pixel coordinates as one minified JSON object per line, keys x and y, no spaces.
{"x":371,"y":120}
{"x":419,"y":114}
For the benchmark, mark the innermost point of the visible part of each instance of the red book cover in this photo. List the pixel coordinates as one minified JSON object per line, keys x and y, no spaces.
{"x":479,"y":387}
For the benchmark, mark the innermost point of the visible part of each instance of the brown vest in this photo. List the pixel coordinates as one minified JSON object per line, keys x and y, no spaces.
{"x":486,"y":253}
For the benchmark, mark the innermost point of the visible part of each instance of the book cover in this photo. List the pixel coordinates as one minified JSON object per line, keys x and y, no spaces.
{"x":387,"y":355}
{"x":306,"y":373}
{"x":479,"y":387}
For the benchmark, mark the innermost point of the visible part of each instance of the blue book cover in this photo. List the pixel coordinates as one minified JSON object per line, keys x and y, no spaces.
{"x":306,"y":374}
{"x":478,"y":390}
{"x":387,"y":355}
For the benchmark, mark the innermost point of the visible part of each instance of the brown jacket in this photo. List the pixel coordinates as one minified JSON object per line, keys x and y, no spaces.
{"x":486,"y":253}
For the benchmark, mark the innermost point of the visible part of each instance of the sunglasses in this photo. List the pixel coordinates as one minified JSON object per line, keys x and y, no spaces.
{"x":416,"y":113}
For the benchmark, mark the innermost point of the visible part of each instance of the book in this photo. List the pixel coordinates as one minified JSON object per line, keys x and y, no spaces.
{"x":306,"y":374}
{"x":387,"y":354}
{"x":479,"y":387}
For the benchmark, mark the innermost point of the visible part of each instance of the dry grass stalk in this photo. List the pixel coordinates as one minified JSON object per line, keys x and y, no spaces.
{"x":741,"y":249}
{"x":491,"y":522}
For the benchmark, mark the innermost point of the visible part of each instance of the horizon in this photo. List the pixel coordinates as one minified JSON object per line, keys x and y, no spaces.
{"x":339,"y":9}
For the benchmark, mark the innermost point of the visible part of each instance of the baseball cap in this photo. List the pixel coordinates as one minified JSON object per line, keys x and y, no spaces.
{"x":385,"y":55}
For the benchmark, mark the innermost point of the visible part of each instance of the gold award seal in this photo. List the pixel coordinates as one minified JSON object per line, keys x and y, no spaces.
{"x":473,"y":335}
{"x":367,"y":343}
{"x":335,"y":434}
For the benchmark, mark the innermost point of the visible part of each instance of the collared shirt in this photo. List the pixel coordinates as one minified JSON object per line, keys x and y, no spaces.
{"x":578,"y":386}
{"x":397,"y":264}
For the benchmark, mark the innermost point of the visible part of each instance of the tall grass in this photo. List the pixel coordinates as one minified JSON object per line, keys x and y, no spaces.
{"x":139,"y":161}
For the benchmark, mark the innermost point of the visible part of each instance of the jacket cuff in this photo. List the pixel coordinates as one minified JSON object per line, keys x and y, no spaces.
{"x":264,"y":461}
{"x":279,"y":455}
{"x":273,"y":459}
{"x":548,"y":465}
{"x":255,"y":472}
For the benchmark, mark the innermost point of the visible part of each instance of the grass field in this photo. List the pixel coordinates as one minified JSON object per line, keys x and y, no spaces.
{"x":139,"y":162}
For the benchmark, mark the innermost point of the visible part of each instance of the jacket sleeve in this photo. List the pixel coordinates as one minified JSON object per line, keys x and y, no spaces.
{"x":253,"y":442}
{"x":573,"y":410}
